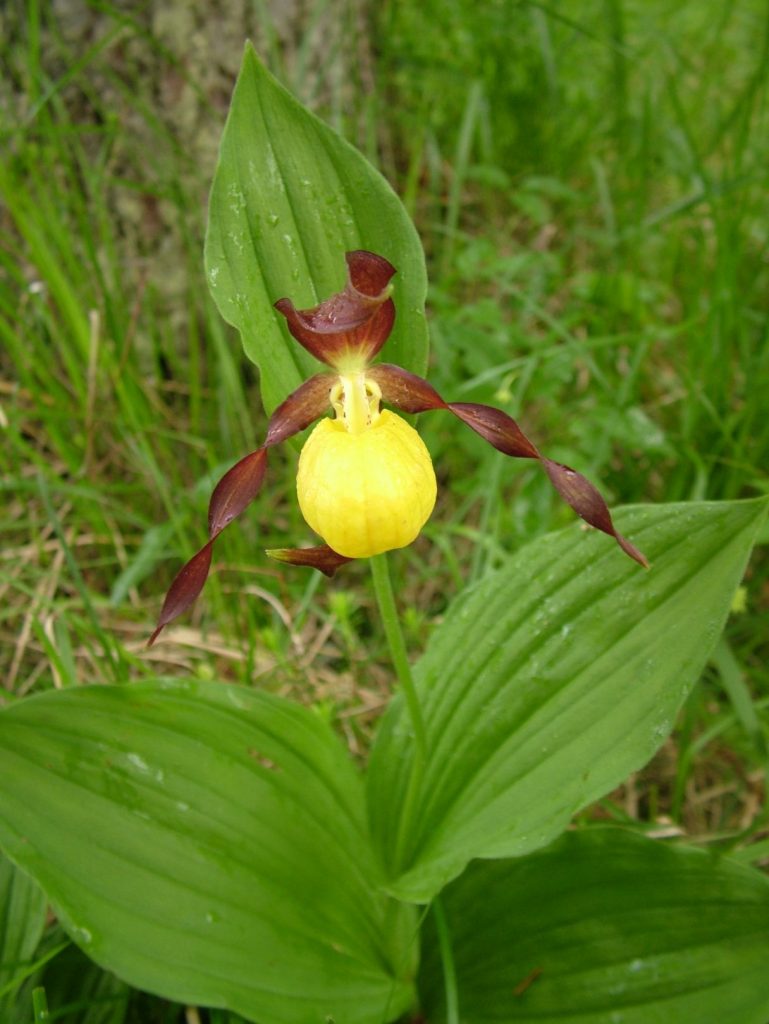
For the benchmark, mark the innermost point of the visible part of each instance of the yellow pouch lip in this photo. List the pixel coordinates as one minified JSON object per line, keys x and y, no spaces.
{"x":369,"y":492}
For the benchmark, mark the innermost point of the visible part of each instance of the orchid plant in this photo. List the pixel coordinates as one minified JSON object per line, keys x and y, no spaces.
{"x":216,"y":845}
{"x":365,"y":481}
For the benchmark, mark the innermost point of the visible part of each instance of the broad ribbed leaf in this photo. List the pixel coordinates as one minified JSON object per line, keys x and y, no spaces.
{"x":549,"y":682}
{"x":289,"y":199}
{"x":206,"y":843}
{"x":603,"y":927}
{"x":22,"y":919}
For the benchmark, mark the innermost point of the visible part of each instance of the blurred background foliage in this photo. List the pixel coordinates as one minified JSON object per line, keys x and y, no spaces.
{"x":591,"y":183}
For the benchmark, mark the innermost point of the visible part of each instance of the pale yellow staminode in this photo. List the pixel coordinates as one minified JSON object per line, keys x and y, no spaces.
{"x":365,"y":482}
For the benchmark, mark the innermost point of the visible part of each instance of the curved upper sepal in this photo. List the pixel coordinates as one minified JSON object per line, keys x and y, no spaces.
{"x":323,"y":558}
{"x":348,"y":329}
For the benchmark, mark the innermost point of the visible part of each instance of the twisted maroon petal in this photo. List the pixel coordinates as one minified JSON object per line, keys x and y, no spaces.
{"x":403,"y":389}
{"x":413,"y":394}
{"x":237,"y":489}
{"x":184,"y":589}
{"x":300,"y":409}
{"x":355,"y":323}
{"x":496,"y":427}
{"x":323,"y":558}
{"x":588,"y":504}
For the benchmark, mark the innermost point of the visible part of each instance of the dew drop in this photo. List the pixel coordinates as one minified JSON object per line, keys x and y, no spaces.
{"x":138,"y":763}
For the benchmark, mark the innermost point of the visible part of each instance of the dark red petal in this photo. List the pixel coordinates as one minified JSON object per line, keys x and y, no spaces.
{"x":184,"y":590}
{"x":355,"y":322}
{"x":588,"y":504}
{"x":300,"y":409}
{"x":405,"y":390}
{"x":413,"y":394}
{"x":237,"y":489}
{"x":496,"y":427}
{"x":322,"y":558}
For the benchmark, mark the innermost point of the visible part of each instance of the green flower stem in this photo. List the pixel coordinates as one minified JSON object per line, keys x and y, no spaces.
{"x":447,"y":959}
{"x":380,"y":573}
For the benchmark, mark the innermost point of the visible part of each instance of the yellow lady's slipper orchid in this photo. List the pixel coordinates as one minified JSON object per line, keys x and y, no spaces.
{"x":365,"y":482}
{"x":368,"y":491}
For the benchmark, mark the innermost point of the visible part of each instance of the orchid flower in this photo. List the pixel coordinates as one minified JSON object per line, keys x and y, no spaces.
{"x":365,"y":481}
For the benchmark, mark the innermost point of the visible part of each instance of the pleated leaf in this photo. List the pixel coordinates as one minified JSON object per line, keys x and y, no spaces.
{"x":549,"y":682}
{"x":605,"y":927}
{"x":205,"y":843}
{"x":289,"y":198}
{"x":22,"y":919}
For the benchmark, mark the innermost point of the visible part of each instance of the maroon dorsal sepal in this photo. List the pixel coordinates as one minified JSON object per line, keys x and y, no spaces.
{"x":348,"y":328}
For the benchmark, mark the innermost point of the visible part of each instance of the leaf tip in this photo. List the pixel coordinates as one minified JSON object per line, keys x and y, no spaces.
{"x":249,"y":52}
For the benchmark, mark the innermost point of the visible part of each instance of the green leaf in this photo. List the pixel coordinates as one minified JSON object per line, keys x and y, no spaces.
{"x":289,"y":198}
{"x":208,"y":844}
{"x":22,"y":919}
{"x":549,"y":682}
{"x":601,"y":927}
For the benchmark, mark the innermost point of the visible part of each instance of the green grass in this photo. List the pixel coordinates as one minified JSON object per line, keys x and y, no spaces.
{"x":591,"y":182}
